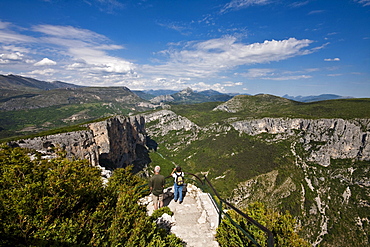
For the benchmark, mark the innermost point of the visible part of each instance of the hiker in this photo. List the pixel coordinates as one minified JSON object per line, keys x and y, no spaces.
{"x":156,"y":185}
{"x":179,"y":183}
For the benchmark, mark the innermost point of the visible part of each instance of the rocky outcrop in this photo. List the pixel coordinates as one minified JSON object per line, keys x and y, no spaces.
{"x":162,"y":98}
{"x":325,"y":139}
{"x":114,"y":143}
{"x":168,"y":121}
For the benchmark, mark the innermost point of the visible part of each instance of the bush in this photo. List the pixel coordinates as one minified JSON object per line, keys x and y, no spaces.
{"x":64,"y":203}
{"x":283,"y":227}
{"x":159,"y":212}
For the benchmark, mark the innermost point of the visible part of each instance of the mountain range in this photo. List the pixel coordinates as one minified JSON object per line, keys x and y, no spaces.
{"x":18,"y":86}
{"x":311,"y":159}
{"x":25,"y":103}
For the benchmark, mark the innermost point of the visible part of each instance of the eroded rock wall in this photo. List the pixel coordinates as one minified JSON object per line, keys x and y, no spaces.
{"x":324,"y":139}
{"x":114,"y":143}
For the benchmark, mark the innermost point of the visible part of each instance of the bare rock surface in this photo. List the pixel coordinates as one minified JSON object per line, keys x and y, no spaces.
{"x":194,"y":221}
{"x":114,"y":143}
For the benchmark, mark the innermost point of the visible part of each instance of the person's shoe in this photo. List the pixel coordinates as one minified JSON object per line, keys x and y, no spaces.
{"x":180,"y":202}
{"x":175,"y":200}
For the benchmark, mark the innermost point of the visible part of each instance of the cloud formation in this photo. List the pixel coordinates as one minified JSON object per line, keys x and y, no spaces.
{"x":276,"y":75}
{"x":363,"y":2}
{"x":83,"y":57}
{"x":240,"y":4}
{"x":81,"y":51}
{"x":208,"y":58}
{"x":332,"y":59}
{"x":45,"y":62}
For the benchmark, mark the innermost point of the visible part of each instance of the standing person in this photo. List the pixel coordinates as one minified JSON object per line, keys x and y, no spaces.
{"x":156,"y":185}
{"x":179,"y":183}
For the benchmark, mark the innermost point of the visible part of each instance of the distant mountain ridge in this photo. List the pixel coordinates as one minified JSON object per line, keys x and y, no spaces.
{"x":24,"y":83}
{"x":313,"y":98}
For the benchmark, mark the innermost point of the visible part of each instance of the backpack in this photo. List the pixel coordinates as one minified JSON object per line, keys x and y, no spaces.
{"x":179,"y":179}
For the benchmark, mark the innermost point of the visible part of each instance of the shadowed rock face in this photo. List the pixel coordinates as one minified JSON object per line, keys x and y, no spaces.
{"x":114,"y":143}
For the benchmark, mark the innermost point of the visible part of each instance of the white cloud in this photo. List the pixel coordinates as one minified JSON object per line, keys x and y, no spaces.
{"x":16,"y":48}
{"x":288,"y":78}
{"x":275,"y":75}
{"x":109,"y":47}
{"x":69,"y":32}
{"x":4,"y":25}
{"x":240,"y":4}
{"x":101,"y":61}
{"x":201,"y":86}
{"x":298,"y":4}
{"x":314,"y":12}
{"x":363,"y":2}
{"x":257,"y":73}
{"x":332,"y":59}
{"x":42,"y":72}
{"x":232,"y":84}
{"x":44,"y":62}
{"x":179,"y":27}
{"x":208,"y":58}
{"x":9,"y":37}
{"x":81,"y":53}
{"x":12,"y":56}
{"x":87,"y":48}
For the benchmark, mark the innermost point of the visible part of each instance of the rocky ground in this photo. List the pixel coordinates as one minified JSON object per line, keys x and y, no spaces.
{"x":194,"y":221}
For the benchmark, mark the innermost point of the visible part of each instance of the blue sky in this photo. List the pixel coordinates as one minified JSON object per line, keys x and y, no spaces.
{"x":298,"y":47}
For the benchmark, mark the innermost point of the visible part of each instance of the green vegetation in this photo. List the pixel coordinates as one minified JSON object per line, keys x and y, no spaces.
{"x":159,"y":212}
{"x":158,"y":160}
{"x":312,"y":194}
{"x":283,"y":227}
{"x":344,"y":176}
{"x":201,"y":114}
{"x":261,"y":106}
{"x":227,"y":158}
{"x":25,"y":122}
{"x":64,"y":203}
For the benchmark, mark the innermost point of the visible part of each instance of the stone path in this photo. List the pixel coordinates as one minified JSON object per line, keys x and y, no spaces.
{"x":194,"y":221}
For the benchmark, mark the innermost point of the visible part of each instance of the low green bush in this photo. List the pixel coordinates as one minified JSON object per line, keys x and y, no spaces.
{"x":159,"y":212}
{"x":65,"y":203}
{"x":283,"y":227}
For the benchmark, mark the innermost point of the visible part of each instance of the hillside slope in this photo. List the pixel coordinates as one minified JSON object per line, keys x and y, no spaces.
{"x":30,"y":106}
{"x":311,"y":159}
{"x":21,"y":83}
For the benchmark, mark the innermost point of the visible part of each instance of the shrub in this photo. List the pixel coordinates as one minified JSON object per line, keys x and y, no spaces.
{"x":159,"y":212}
{"x":64,"y":203}
{"x":283,"y":227}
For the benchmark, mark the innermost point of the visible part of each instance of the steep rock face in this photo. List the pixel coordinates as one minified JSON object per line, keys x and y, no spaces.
{"x":323,"y":179}
{"x":331,"y":194}
{"x":113,"y":143}
{"x":162,"y":98}
{"x":168,"y":121}
{"x":324,"y":139}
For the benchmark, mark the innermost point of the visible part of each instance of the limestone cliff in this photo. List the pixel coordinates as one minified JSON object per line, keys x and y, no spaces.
{"x":321,"y":177}
{"x":114,"y":143}
{"x":324,"y":139}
